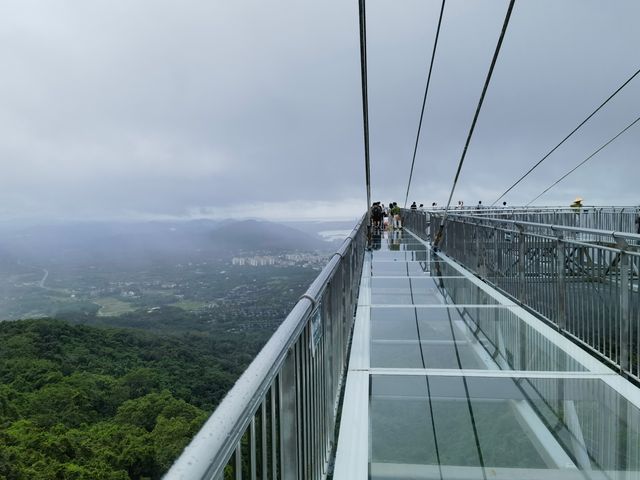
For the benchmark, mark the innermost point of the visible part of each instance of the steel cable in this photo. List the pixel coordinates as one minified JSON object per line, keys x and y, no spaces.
{"x":365,"y":101}
{"x":585,"y":160}
{"x":567,"y":137}
{"x":438,"y":236}
{"x":424,"y":102}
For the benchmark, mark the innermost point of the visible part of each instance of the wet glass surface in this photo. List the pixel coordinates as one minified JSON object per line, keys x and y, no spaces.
{"x":453,"y":424}
{"x":405,"y":255}
{"x":468,"y":338}
{"x":397,"y":241}
{"x":402,"y":268}
{"x":488,"y":427}
{"x":427,"y":291}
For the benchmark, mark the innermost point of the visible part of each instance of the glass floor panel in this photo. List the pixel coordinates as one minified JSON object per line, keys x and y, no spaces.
{"x":487,"y":427}
{"x":396,"y":242}
{"x":427,"y":291}
{"x":414,"y":354}
{"x":399,"y":247}
{"x":405,"y":255}
{"x":447,"y":380}
{"x":468,"y":338}
{"x":402,"y":268}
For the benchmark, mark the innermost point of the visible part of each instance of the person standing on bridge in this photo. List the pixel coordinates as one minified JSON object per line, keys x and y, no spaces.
{"x":376,"y":215}
{"x":577,"y":204}
{"x":385,"y":216}
{"x":577,"y":208}
{"x":414,"y":206}
{"x":397,"y":221}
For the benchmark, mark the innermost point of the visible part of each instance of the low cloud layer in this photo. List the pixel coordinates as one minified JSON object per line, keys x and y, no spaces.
{"x":150,"y":108}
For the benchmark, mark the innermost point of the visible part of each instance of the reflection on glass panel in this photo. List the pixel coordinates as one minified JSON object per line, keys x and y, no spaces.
{"x":514,"y":344}
{"x":414,"y":354}
{"x":393,"y":324}
{"x":473,"y":427}
{"x":402,"y":268}
{"x":452,"y":355}
{"x":405,"y":291}
{"x":396,"y":241}
{"x":396,"y":355}
{"x":427,"y":291}
{"x":400,"y":247}
{"x":462,"y":291}
{"x":405,"y":255}
{"x":408,"y":436}
{"x":468,"y":338}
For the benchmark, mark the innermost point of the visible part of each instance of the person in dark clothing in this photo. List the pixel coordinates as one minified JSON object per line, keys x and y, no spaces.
{"x":376,"y":215}
{"x":414,"y":206}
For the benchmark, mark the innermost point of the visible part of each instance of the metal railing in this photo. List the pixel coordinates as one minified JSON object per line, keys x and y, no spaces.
{"x":612,"y":219}
{"x":583,"y":281}
{"x":278,"y":421}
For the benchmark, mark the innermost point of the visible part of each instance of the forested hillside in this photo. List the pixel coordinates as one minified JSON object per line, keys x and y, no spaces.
{"x":84,"y":402}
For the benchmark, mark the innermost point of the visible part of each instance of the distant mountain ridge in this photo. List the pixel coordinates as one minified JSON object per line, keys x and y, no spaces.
{"x":93,"y":242}
{"x":252,"y":235}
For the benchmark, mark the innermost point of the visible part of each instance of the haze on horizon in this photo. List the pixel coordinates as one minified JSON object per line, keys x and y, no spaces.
{"x":159,"y":110}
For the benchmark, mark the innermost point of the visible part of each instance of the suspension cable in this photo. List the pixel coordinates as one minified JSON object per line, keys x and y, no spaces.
{"x":475,"y":119}
{"x":585,"y":160}
{"x":424,"y":102}
{"x":365,"y":101}
{"x":567,"y":137}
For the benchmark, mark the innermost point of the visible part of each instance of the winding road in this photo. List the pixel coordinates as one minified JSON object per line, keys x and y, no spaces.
{"x":44,"y":278}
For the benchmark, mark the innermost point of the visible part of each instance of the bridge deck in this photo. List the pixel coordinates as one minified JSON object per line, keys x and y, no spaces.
{"x":448,"y":379}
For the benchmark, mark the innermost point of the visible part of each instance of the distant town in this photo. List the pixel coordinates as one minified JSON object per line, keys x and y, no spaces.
{"x":256,"y":288}
{"x":306,"y":260}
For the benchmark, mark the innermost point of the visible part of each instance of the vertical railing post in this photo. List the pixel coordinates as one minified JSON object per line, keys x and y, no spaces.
{"x":521,"y":264}
{"x":238,"y":462}
{"x":252,"y":448}
{"x":289,"y":448}
{"x":623,"y":338}
{"x":478,"y":259}
{"x":561,"y":304}
{"x":464,"y":242}
{"x":482,"y":252}
{"x":497,"y":265}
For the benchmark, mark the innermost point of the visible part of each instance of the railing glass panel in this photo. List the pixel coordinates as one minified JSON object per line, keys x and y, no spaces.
{"x":584,"y":281}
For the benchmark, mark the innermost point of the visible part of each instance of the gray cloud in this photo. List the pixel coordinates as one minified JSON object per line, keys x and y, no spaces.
{"x":153,"y":108}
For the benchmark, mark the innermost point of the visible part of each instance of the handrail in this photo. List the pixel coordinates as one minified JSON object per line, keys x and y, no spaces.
{"x":519,"y":211}
{"x":213,"y":446}
{"x":216,"y":441}
{"x":591,"y":231}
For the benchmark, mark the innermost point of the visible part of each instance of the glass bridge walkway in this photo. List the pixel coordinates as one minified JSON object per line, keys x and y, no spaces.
{"x":448,"y":379}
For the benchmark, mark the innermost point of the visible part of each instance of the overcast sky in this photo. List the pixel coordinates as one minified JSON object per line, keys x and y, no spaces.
{"x":159,"y":109}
